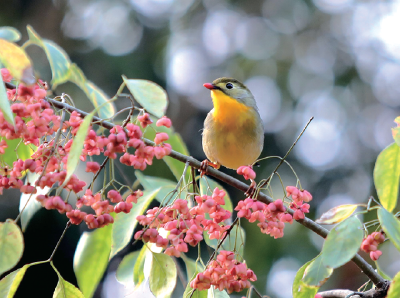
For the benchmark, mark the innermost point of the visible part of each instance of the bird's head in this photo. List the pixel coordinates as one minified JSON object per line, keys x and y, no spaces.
{"x":232,"y":88}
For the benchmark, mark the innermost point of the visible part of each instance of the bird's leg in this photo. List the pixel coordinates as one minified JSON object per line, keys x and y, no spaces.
{"x":204,"y":164}
{"x":251,"y":191}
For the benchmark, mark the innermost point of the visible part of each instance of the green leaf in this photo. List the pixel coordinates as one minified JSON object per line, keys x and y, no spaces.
{"x":5,"y":106}
{"x":11,"y":245}
{"x":394,"y":290}
{"x":91,"y":258}
{"x":342,"y":243}
{"x":58,"y":58}
{"x":381,"y":272}
{"x":149,"y":183}
{"x":33,"y":205}
{"x":150,"y":95}
{"x":125,"y":223}
{"x":337,"y":214}
{"x":22,"y":151}
{"x":162,"y":273}
{"x":396,"y":131}
{"x":65,"y":289}
{"x":197,"y":293}
{"x":215,"y":293}
{"x":386,"y":176}
{"x":301,"y":290}
{"x":233,"y":242}
{"x":391,"y":226}
{"x":138,"y":274}
{"x":316,"y":274}
{"x":77,"y":146}
{"x":125,"y":269}
{"x":10,"y":283}
{"x":98,"y":99}
{"x":207,"y":186}
{"x":10,"y":34}
{"x":192,"y":267}
{"x":15,"y":59}
{"x":177,"y":167}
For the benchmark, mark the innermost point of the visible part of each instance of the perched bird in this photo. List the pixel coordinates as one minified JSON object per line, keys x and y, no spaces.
{"x":233,"y":134}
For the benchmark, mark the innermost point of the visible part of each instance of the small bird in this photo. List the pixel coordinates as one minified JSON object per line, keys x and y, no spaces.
{"x":233,"y":134}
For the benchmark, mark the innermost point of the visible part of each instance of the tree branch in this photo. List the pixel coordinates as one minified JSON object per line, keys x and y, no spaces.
{"x":308,"y":223}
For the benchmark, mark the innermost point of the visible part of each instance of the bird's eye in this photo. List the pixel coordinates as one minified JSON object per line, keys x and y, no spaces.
{"x":229,"y":86}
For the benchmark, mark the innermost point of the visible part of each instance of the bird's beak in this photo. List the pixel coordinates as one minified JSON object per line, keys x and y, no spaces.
{"x":210,"y":86}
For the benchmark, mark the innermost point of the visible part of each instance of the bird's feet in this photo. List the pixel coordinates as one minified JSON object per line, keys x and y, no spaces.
{"x":204,"y":164}
{"x":251,"y":191}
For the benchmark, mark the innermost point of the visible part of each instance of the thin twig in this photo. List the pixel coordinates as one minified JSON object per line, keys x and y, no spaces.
{"x":287,"y":153}
{"x":59,"y":241}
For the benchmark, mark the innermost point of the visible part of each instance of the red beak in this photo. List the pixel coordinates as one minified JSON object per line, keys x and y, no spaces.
{"x":209,"y":86}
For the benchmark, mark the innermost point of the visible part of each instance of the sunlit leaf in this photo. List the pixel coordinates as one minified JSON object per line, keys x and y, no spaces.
{"x":342,"y":243}
{"x":77,"y":146}
{"x":10,"y":154}
{"x":10,"y":34}
{"x":207,"y":186}
{"x":17,"y":62}
{"x":65,"y":289}
{"x":149,"y":183}
{"x":386,"y":176}
{"x":396,"y":131}
{"x":10,"y":283}
{"x":162,"y":274}
{"x":138,"y":272}
{"x":150,"y":95}
{"x":337,"y":214}
{"x":299,"y":289}
{"x":394,"y":290}
{"x":316,"y":273}
{"x":33,"y":205}
{"x":125,"y":269}
{"x":11,"y":245}
{"x":58,"y":58}
{"x":391,"y":226}
{"x":125,"y":223}
{"x":5,"y":106}
{"x":91,"y":258}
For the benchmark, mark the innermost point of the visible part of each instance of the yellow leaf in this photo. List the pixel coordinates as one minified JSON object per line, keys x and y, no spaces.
{"x":17,"y":62}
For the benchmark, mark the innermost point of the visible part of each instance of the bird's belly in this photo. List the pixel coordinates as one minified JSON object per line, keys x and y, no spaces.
{"x":231,"y":149}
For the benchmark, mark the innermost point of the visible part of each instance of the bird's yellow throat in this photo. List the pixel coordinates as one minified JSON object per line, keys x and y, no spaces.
{"x":228,"y":109}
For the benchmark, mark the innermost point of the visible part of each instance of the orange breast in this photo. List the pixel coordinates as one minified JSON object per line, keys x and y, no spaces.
{"x":228,"y":110}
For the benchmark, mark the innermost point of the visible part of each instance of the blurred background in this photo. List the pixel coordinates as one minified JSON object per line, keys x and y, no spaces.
{"x":335,"y":60}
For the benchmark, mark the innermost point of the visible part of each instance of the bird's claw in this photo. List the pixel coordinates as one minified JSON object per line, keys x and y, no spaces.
{"x":204,"y":165}
{"x":251,"y":191}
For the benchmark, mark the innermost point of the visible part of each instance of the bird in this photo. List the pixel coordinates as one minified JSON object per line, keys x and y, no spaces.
{"x":233,"y":133}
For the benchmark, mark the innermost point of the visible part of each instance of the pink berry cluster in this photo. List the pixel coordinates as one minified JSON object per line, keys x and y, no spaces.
{"x":273,"y":216}
{"x":36,"y":121}
{"x":224,"y":273}
{"x":370,"y":245}
{"x":247,"y":172}
{"x":299,"y":196}
{"x":185,"y":225}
